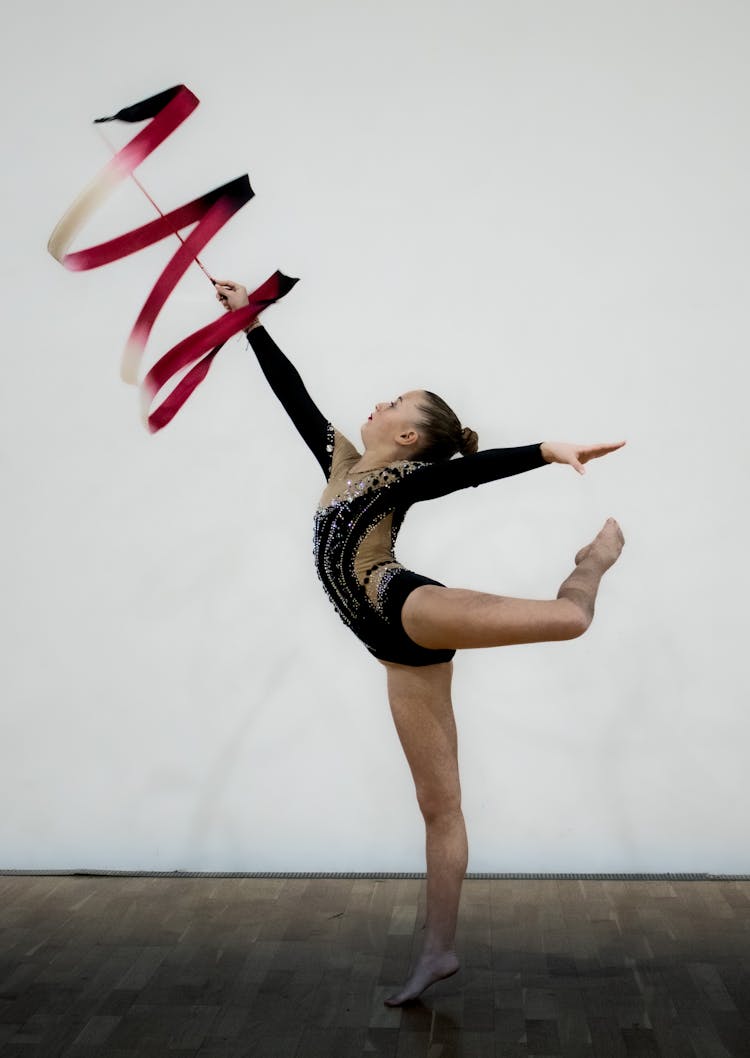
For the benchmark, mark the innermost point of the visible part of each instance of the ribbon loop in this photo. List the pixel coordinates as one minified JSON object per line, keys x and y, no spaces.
{"x":165,"y":111}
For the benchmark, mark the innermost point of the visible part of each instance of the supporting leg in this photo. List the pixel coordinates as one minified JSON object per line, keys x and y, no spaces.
{"x":456,"y":618}
{"x":423,"y":713}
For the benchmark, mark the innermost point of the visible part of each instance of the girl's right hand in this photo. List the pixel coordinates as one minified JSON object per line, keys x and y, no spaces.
{"x":231,"y":295}
{"x":574,"y":454}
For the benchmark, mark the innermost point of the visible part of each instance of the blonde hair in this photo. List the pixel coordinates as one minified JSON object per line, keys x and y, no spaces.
{"x":442,"y":432}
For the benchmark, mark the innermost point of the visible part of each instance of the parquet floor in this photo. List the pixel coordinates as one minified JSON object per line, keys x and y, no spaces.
{"x":115,"y":967}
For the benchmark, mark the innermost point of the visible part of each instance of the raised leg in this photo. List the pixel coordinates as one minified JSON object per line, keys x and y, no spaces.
{"x":457,"y":618}
{"x":420,"y":701}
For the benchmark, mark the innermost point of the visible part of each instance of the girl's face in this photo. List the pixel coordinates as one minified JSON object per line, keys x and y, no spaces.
{"x":393,"y":418}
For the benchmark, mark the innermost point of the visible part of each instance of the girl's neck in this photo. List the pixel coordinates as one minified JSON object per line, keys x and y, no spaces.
{"x":362,"y":470}
{"x":370,"y":461}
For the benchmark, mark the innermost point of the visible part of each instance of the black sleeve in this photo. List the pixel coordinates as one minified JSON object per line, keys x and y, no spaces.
{"x":284,"y":379}
{"x":430,"y":480}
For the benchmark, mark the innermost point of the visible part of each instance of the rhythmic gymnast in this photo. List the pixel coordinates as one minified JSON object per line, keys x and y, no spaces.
{"x":412,"y":624}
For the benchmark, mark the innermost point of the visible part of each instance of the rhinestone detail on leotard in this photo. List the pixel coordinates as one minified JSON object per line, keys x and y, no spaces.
{"x":341,"y":525}
{"x":383,"y":588}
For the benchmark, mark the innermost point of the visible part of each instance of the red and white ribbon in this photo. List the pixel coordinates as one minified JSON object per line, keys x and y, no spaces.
{"x":209,"y":213}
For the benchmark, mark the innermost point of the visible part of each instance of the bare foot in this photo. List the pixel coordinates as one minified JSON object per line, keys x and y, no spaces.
{"x":606,"y":545}
{"x":429,"y":969}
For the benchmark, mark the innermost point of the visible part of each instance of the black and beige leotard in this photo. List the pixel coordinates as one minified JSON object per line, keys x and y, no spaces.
{"x":360,"y":513}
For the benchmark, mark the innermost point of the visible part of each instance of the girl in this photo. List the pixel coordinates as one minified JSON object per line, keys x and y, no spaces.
{"x":412,"y":624}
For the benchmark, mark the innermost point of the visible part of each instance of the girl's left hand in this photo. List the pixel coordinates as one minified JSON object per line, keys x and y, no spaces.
{"x":231,"y":295}
{"x":575,"y":455}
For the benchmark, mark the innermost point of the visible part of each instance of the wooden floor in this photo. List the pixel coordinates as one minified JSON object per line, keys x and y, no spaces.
{"x":298,"y":968}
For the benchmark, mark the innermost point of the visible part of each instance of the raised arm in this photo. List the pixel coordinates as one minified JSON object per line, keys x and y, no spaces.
{"x":285,"y":380}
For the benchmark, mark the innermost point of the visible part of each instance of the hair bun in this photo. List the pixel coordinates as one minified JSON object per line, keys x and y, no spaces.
{"x":469,"y":442}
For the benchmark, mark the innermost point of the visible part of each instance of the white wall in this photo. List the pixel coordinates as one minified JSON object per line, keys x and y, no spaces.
{"x":538,"y":210}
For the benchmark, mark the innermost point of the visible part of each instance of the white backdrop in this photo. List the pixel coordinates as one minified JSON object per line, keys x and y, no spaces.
{"x":539,"y":211}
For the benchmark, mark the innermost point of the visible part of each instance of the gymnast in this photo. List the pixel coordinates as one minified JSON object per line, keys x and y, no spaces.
{"x":411,"y":623}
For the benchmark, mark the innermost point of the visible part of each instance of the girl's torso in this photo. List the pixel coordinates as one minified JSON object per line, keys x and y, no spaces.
{"x":356,"y":525}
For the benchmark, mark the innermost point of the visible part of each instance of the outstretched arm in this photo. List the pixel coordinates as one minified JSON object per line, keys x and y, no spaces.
{"x":429,"y":480}
{"x":285,"y":380}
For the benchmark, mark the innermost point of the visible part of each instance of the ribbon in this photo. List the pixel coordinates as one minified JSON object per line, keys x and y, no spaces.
{"x":210,"y":212}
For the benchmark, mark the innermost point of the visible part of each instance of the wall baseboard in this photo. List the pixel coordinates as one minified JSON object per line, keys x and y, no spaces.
{"x":607,"y":877}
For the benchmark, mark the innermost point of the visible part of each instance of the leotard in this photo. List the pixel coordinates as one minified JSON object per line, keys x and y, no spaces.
{"x":360,"y":513}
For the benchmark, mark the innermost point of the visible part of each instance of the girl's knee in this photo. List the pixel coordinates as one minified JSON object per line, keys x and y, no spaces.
{"x":438,"y":804}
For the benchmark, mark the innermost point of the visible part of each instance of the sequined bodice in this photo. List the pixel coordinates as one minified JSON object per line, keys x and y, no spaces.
{"x":356,"y":525}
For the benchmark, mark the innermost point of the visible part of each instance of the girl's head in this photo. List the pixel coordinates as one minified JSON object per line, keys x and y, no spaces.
{"x":441,"y":432}
{"x":418,"y":425}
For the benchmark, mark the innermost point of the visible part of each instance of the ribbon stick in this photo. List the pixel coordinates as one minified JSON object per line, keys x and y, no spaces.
{"x":209,"y":213}
{"x":140,"y":186}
